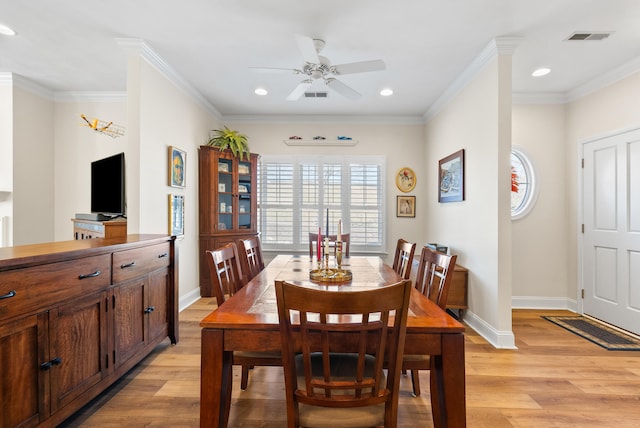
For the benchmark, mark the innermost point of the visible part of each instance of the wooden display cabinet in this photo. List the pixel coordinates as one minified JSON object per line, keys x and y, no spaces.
{"x":228,"y":203}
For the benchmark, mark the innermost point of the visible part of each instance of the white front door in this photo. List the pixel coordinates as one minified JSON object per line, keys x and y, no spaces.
{"x":611,"y":241}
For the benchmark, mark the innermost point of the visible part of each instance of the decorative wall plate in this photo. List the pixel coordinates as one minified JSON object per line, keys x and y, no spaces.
{"x":405,"y":179}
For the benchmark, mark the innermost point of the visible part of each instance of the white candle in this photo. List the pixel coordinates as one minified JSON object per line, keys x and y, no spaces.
{"x":339,"y":230}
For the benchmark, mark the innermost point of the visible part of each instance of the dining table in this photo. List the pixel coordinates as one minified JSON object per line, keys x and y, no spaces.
{"x":248,"y":321}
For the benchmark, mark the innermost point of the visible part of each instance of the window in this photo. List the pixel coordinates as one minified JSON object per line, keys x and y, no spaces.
{"x":523,"y":184}
{"x":296,"y":193}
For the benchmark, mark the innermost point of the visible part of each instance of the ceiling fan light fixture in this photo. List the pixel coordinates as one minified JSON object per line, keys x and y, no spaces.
{"x":542,"y":71}
{"x":6,"y":30}
{"x":261,"y":91}
{"x":386,"y":92}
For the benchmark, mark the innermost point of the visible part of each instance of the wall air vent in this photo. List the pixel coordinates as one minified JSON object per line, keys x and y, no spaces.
{"x":316,"y":94}
{"x":589,"y":35}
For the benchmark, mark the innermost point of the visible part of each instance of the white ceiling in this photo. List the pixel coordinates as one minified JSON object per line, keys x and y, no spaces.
{"x":71,"y":46}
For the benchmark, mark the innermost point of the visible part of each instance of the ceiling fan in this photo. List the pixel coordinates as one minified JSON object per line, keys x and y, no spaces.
{"x":318,"y":67}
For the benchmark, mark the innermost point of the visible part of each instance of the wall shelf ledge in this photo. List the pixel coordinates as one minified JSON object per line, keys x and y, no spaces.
{"x":320,"y":143}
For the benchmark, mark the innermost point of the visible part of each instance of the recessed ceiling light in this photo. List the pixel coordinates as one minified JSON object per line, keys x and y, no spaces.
{"x":386,"y":92}
{"x":541,"y":72}
{"x":6,"y":30}
{"x":260,"y":91}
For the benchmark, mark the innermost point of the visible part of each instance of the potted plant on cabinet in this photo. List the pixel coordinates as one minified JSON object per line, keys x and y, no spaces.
{"x":226,"y":138}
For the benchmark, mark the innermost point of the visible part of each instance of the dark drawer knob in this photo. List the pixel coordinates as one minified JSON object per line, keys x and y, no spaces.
{"x":46,"y":366}
{"x":9,"y":295}
{"x":90,"y":275}
{"x":126,"y":265}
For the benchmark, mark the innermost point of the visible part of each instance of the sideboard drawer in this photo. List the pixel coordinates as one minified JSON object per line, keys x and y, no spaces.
{"x":139,"y":261}
{"x":32,"y":289}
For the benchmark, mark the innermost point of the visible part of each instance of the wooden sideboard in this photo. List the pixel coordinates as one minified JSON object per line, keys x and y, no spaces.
{"x":459,"y":286}
{"x":77,"y":315}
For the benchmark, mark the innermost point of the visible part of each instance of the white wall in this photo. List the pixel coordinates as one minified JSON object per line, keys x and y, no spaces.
{"x":76,"y":146}
{"x":6,"y":150}
{"x":478,"y":229}
{"x":609,"y":110}
{"x":157,"y":114}
{"x":541,"y":280}
{"x":33,"y":168}
{"x":166,"y":116}
{"x":402,"y":145}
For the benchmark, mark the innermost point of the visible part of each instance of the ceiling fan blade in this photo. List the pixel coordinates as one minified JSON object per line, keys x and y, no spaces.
{"x":299,"y":90}
{"x":342,"y":89}
{"x":308,"y":49}
{"x":275,"y":70}
{"x":359,"y":67}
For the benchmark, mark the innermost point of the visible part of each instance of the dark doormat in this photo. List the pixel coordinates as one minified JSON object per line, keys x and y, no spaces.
{"x":597,"y":332}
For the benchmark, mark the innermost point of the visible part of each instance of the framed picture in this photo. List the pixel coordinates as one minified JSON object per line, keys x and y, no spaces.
{"x":405,"y":179}
{"x":406,"y":206}
{"x":176,"y":215}
{"x":451,"y":178}
{"x":177,"y":167}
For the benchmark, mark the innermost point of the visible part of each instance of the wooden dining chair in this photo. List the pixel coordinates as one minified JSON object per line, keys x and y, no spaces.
{"x":344,"y":387}
{"x":313,"y":244}
{"x":433,"y":279}
{"x":226,"y":274}
{"x":403,"y":258}
{"x":251,"y":261}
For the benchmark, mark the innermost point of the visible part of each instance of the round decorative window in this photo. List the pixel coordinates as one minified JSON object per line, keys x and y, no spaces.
{"x":523,"y":184}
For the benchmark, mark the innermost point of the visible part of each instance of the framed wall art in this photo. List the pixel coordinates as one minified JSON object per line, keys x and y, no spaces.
{"x":451,"y":177}
{"x":405,"y":179}
{"x":177,"y":167}
{"x":406,"y":206}
{"x":176,"y":215}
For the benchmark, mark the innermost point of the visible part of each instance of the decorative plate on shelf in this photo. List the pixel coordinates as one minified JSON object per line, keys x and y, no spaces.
{"x":405,"y":179}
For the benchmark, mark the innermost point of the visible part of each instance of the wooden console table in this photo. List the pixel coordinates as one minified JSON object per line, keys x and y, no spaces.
{"x":89,"y":229}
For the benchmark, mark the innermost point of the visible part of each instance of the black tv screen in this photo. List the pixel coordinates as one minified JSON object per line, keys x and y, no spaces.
{"x":107,"y":186}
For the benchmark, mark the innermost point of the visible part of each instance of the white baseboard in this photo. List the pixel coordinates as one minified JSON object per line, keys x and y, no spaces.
{"x":530,"y":302}
{"x":506,"y":339}
{"x":499,"y":339}
{"x":189,"y":299}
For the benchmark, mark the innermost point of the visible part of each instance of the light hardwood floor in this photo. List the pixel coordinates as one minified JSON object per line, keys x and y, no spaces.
{"x":553,"y":379}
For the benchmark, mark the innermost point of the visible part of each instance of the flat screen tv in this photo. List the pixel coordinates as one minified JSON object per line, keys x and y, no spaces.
{"x":108,"y":186}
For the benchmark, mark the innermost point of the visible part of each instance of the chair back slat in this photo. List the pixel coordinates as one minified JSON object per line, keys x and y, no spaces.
{"x":335,"y":344}
{"x":251,"y":260}
{"x":225,"y":270}
{"x":313,"y":244}
{"x":403,"y":258}
{"x":435,"y":274}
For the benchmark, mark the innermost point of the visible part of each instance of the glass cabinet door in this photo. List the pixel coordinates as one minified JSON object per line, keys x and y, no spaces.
{"x":244,"y":195}
{"x":225,"y":194}
{"x":234,"y":194}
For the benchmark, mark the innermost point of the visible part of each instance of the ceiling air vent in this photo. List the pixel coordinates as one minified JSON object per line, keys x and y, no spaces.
{"x":315,"y":94}
{"x":585,"y":35}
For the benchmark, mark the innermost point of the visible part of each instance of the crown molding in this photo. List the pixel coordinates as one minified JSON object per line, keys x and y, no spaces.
{"x":6,"y":78}
{"x":505,"y":45}
{"x":91,"y":97}
{"x":12,"y":79}
{"x":539,"y":98}
{"x":326,"y":119}
{"x":604,"y":80}
{"x":138,"y":47}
